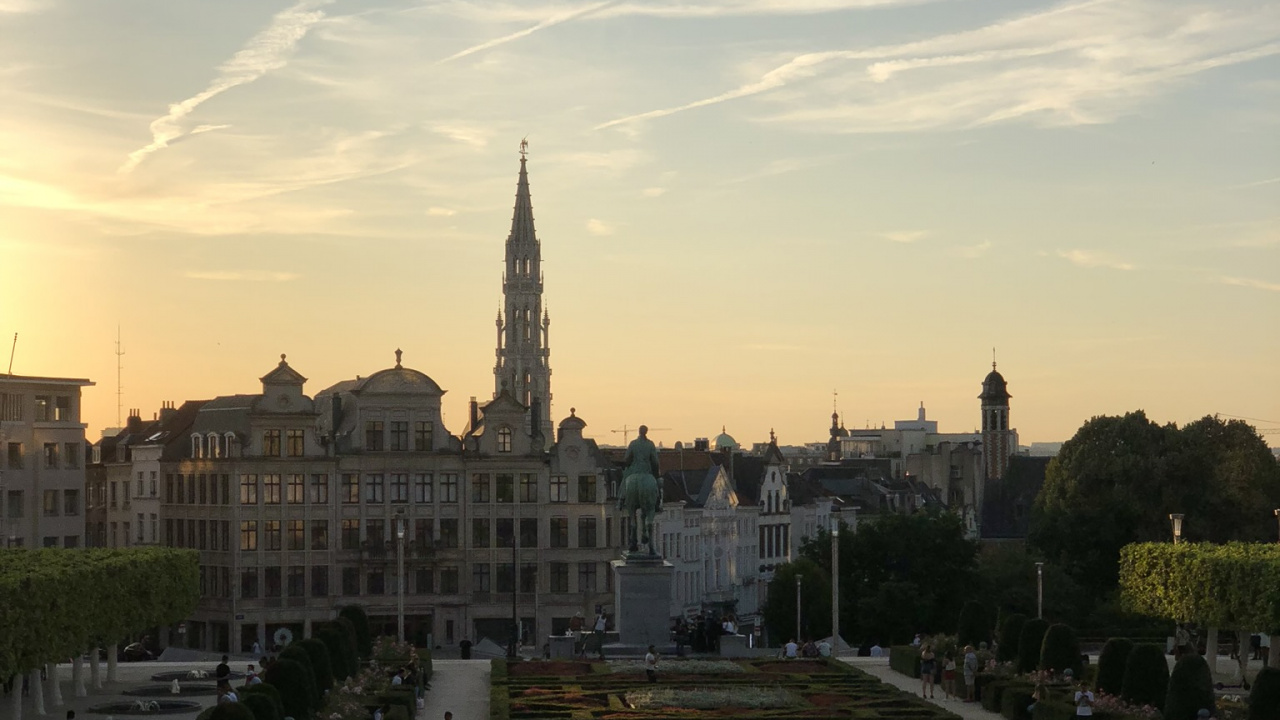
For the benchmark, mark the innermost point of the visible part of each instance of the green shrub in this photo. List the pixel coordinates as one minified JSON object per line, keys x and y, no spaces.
{"x":1029,"y":642}
{"x":1055,"y":710}
{"x":360,"y":621}
{"x":348,"y":629}
{"x":267,"y":690}
{"x":905,"y":659}
{"x":1264,"y":698}
{"x":1190,"y":689}
{"x":1146,"y":676}
{"x":1060,"y":650}
{"x":1111,"y":665}
{"x":320,"y":666}
{"x":232,"y":711}
{"x":974,"y":625}
{"x":398,"y":713}
{"x":1015,"y":699}
{"x":405,"y":698}
{"x":262,"y":707}
{"x":335,"y":642}
{"x":981,"y":683}
{"x":290,"y":678}
{"x":300,"y":656}
{"x":1010,"y":629}
{"x":991,"y":693}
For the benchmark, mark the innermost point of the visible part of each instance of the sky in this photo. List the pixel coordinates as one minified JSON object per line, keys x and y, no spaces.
{"x":749,"y":209}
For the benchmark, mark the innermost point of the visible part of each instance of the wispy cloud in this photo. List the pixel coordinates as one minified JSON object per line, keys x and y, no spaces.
{"x":599,"y":228}
{"x":473,"y":136}
{"x":1259,"y":183}
{"x":544,"y":24}
{"x":268,"y":50}
{"x":610,"y":160}
{"x":1250,"y":283}
{"x":904,"y":236}
{"x":1091,"y":259}
{"x":972,"y":251}
{"x":653,"y":192}
{"x":441,"y":212}
{"x":241,"y":276}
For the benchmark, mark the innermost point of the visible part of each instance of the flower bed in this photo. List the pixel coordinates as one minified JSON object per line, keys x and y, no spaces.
{"x":704,"y":698}
{"x":680,"y":667}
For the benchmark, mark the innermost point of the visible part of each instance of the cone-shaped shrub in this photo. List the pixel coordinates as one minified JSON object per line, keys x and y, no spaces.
{"x":262,"y":707}
{"x":295,"y":653}
{"x":267,"y":690}
{"x":1264,"y":698}
{"x":1060,"y":650}
{"x":319,"y":663}
{"x":1111,"y":665}
{"x":232,"y":711}
{"x":359,"y":619}
{"x":1190,"y":689}
{"x":1029,"y":642}
{"x":1146,"y":676}
{"x":290,"y":678}
{"x":974,"y":626}
{"x":1010,"y":630}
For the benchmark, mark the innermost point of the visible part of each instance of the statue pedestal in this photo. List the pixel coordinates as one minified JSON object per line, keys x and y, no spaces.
{"x":642,"y":601}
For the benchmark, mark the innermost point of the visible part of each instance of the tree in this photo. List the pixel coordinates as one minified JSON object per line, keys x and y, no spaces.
{"x":815,"y":600}
{"x":1111,"y":665}
{"x":974,"y":626}
{"x":1007,"y":577}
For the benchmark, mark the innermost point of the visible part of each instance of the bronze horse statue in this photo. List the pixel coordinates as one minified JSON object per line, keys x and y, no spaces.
{"x":640,"y":492}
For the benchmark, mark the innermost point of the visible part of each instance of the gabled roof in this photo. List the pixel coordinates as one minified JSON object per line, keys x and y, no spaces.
{"x":283,"y":375}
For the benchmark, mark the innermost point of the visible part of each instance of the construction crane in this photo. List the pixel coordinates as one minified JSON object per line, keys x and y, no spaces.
{"x":1260,"y":431}
{"x":626,"y":432}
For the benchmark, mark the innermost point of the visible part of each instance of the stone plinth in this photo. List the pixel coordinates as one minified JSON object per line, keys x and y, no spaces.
{"x":561,"y":647}
{"x":642,"y":601}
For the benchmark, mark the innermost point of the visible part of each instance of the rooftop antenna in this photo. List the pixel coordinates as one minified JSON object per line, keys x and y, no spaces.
{"x":13,"y":350}
{"x":119,"y":375}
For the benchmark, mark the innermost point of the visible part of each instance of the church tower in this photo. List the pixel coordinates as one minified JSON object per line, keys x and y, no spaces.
{"x":523,"y":367}
{"x":999,"y":441}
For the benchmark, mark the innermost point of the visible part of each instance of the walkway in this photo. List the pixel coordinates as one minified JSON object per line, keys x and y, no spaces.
{"x":460,"y":687}
{"x":879,"y":667}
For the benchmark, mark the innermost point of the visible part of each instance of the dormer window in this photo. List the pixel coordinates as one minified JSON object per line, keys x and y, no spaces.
{"x":197,"y":446}
{"x":215,"y":448}
{"x":232,"y":444}
{"x":504,"y":439}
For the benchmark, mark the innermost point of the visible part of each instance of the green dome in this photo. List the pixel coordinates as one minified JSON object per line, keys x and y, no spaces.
{"x":724,"y":441}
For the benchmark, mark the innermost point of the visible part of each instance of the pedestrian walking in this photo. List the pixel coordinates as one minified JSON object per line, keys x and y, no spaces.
{"x":651,"y":664}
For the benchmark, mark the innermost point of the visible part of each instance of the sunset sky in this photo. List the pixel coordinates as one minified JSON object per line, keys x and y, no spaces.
{"x":743,"y":205}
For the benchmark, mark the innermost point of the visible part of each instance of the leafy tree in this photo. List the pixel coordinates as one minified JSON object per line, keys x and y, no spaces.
{"x":1010,"y":630}
{"x":1007,"y":577}
{"x":892,"y":614}
{"x":1111,"y":665}
{"x":1060,"y":650}
{"x":1146,"y":676}
{"x":815,"y":600}
{"x":1029,"y":644}
{"x":1190,"y":689}
{"x":973,"y":627}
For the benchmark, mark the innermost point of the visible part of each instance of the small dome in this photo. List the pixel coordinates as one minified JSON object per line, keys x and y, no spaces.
{"x":994,"y":387}
{"x":724,"y":441}
{"x":573,"y":421}
{"x":399,"y":380}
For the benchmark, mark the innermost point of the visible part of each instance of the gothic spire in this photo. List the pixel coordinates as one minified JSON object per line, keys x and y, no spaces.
{"x":522,"y":218}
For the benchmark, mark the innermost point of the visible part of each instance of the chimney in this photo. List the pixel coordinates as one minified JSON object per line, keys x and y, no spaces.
{"x":166,"y":410}
{"x":134,"y":423}
{"x":475,"y":413}
{"x":701,"y":445}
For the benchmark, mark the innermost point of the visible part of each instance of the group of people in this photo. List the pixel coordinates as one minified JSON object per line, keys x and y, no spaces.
{"x":703,"y":633}
{"x":222,"y":673}
{"x":581,"y":643}
{"x":806,"y":649}
{"x":935,"y":670}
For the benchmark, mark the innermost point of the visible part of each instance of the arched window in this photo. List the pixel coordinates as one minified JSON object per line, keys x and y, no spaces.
{"x":215,"y":447}
{"x":528,"y":326}
{"x":231,"y":445}
{"x":504,"y":439}
{"x":197,"y":447}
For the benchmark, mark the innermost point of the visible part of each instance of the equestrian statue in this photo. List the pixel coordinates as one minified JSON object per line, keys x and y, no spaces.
{"x":641,"y":492}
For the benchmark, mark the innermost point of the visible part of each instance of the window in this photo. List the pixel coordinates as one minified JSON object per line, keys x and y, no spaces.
{"x":480,"y":577}
{"x":204,"y":489}
{"x":319,"y":534}
{"x":504,"y":488}
{"x":506,"y":529}
{"x":399,"y":435}
{"x":271,"y":535}
{"x":377,"y":582}
{"x":155,"y":529}
{"x":71,"y":541}
{"x":423,"y":581}
{"x":528,"y":488}
{"x":422,"y":431}
{"x":449,"y":533}
{"x":529,"y":578}
{"x":480,"y":487}
{"x":350,"y":534}
{"x":168,"y":488}
{"x":50,"y":503}
{"x":586,"y":577}
{"x":373,"y":489}
{"x":449,"y":488}
{"x":297,"y":585}
{"x":71,"y":504}
{"x":505,"y":578}
{"x":586,"y":532}
{"x":375,"y":532}
{"x":169,"y":538}
{"x":559,"y":488}
{"x":319,"y":489}
{"x":62,"y":408}
{"x":559,"y":577}
{"x":559,"y":532}
{"x":213,"y":447}
{"x":528,"y":532}
{"x":202,"y":539}
{"x":249,"y":583}
{"x":191,"y":491}
{"x":297,"y":539}
{"x":10,"y":406}
{"x":271,"y":443}
{"x":373,"y":437}
{"x":586,"y":488}
{"x":197,"y":445}
{"x":399,"y":488}
{"x":51,"y":455}
{"x":72,"y":453}
{"x":271,"y":582}
{"x":424,"y":532}
{"x":319,"y":581}
{"x":295,"y":491}
{"x":350,"y":581}
{"x":350,"y":488}
{"x":248,"y":534}
{"x":15,"y":455}
{"x":248,"y":489}
{"x":113,"y":491}
{"x":226,"y":534}
{"x":422,"y":488}
{"x":504,"y":439}
{"x":296,"y":445}
{"x":480,"y":533}
{"x":271,"y":489}
{"x":43,"y":407}
{"x":449,"y":580}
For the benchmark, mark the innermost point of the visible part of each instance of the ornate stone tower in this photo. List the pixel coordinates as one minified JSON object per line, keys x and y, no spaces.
{"x":523,"y":368}
{"x":999,"y":441}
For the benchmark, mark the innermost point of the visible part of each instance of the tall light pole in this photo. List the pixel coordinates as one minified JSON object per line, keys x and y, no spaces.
{"x":400,"y":576}
{"x":1040,"y":590}
{"x":1176,"y":519}
{"x":797,"y":608}
{"x":835,"y":584}
{"x":1277,"y":512}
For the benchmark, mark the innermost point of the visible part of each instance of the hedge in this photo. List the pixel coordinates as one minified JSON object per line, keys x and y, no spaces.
{"x":232,"y":711}
{"x":262,"y":706}
{"x":290,"y":678}
{"x":303,"y":658}
{"x":1059,"y":650}
{"x":1146,"y":676}
{"x":1190,"y":689}
{"x":1029,"y":644}
{"x":1010,"y":629}
{"x":905,"y":659}
{"x":334,"y":640}
{"x":1015,"y":699}
{"x":57,"y":603}
{"x":1235,"y":585}
{"x":360,"y":620}
{"x":267,"y":690}
{"x":1111,"y":665}
{"x":1264,"y":698}
{"x":320,"y":666}
{"x":499,"y":697}
{"x":973,"y":627}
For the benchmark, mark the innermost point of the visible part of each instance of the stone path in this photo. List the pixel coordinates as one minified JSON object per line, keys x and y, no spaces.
{"x":460,"y":687}
{"x":879,"y":667}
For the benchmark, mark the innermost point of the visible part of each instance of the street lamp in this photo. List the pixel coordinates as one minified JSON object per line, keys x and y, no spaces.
{"x":400,"y":575}
{"x":1040,"y":590}
{"x":1277,"y":513}
{"x":835,"y":584}
{"x":797,"y":608}
{"x":1176,"y":519}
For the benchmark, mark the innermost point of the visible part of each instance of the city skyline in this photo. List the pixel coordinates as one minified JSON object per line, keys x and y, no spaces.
{"x":743,"y":207}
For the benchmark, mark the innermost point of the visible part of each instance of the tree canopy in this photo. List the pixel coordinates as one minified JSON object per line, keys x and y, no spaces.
{"x":815,"y":591}
{"x":1236,"y":585}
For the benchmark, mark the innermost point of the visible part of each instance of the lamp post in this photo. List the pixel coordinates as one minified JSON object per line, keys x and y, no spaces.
{"x":1040,"y":590}
{"x":797,"y":608}
{"x":1277,"y":513}
{"x":835,"y":584}
{"x":400,"y":576}
{"x":1176,"y":519}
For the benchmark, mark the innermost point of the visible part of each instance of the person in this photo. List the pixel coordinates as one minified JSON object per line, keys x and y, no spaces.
{"x":599,"y":633}
{"x":225,"y":693}
{"x":448,"y":715}
{"x":876,"y":650}
{"x":970,"y":671}
{"x":546,"y":651}
{"x":575,"y":628}
{"x":928,"y":664}
{"x":398,"y":678}
{"x":223,"y":671}
{"x":824,"y":648}
{"x":949,"y":677}
{"x":791,"y":650}
{"x":464,"y":649}
{"x":251,"y":677}
{"x":1204,"y":714}
{"x":257,"y":649}
{"x":381,"y":713}
{"x":809,"y":650}
{"x":728,"y":627}
{"x":651,"y":664}
{"x":916,"y":641}
{"x":1084,"y":701}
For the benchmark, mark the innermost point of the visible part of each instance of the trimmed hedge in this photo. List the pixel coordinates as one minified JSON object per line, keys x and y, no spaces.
{"x":1146,"y":676}
{"x":1030,"y":641}
{"x":499,"y":696}
{"x":262,"y":706}
{"x":290,"y":678}
{"x":1059,"y":650}
{"x":1264,"y":698}
{"x":1010,"y":630}
{"x":905,"y":659}
{"x":232,"y":711}
{"x":1111,"y":665}
{"x":973,"y":627}
{"x":360,"y":621}
{"x":1015,"y":699}
{"x":320,"y":666}
{"x":1190,"y":689}
{"x":334,"y":640}
{"x":267,"y":690}
{"x":1231,"y":585}
{"x":302,"y":657}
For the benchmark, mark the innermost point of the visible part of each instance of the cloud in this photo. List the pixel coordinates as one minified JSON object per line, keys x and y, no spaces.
{"x":972,"y":251}
{"x":653,"y":192}
{"x":612,"y":160}
{"x":441,"y":212}
{"x":549,"y":22}
{"x":1090,"y":259}
{"x":472,"y":136}
{"x":1250,"y":283}
{"x":1259,"y":183}
{"x":904,"y":236}
{"x":599,"y":228}
{"x":268,"y":50}
{"x":207,"y":128}
{"x":238,"y":276}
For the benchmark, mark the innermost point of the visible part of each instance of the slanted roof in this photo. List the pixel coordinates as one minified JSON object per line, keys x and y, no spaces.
{"x":283,"y":375}
{"x":1006,"y":504}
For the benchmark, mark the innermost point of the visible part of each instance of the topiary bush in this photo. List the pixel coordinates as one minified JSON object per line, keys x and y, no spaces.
{"x":974,"y":625}
{"x":334,"y":642}
{"x":360,"y":620}
{"x":319,"y":655}
{"x":1060,"y":650}
{"x":232,"y":711}
{"x":261,"y":706}
{"x":1146,"y":676}
{"x":267,"y":690}
{"x":300,"y":656}
{"x":1111,"y":665}
{"x":1010,"y":629}
{"x":1264,"y":698}
{"x":348,"y":629}
{"x":1029,"y":642}
{"x":1015,"y":700}
{"x":905,"y":659}
{"x":1190,"y":689}
{"x":290,"y":678}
